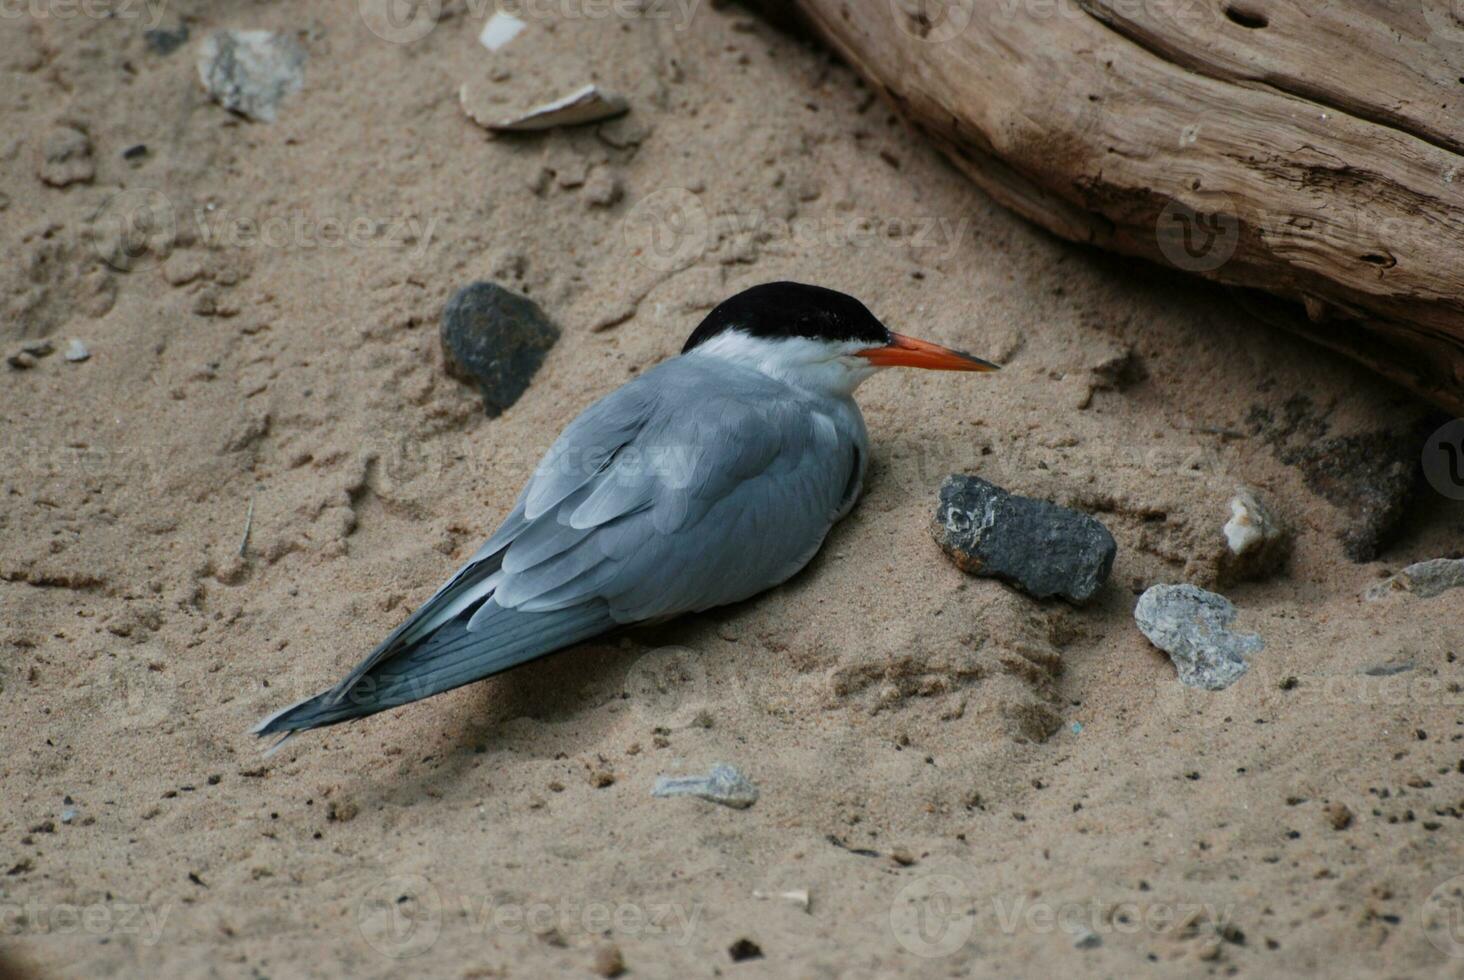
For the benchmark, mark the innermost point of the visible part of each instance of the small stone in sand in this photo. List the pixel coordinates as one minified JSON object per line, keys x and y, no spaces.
{"x":66,"y":158}
{"x":251,"y":72}
{"x":1256,"y":540}
{"x":1043,"y":549}
{"x":744,"y":949}
{"x":165,"y":42}
{"x":76,"y":352}
{"x":496,"y":340}
{"x":1425,"y":580}
{"x":1339,"y":815}
{"x":609,"y":962}
{"x":1192,"y":626}
{"x":724,"y":785}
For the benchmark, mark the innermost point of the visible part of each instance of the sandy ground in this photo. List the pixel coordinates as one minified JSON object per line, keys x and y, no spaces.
{"x":964,"y":781}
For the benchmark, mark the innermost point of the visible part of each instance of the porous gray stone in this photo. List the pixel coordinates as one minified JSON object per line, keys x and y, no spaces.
{"x":495,"y":340}
{"x":1043,"y":549}
{"x":1425,"y":580}
{"x":250,"y":72}
{"x":1193,"y":627}
{"x":724,"y":785}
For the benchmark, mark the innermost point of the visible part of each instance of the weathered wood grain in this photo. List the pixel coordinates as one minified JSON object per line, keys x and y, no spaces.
{"x":1310,"y":148}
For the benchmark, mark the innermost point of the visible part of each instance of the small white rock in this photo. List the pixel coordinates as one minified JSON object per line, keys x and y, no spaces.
{"x":76,"y":352}
{"x":499,"y":30}
{"x":1256,"y":540}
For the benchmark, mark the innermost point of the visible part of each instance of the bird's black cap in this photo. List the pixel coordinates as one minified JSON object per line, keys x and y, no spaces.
{"x":792,"y":309}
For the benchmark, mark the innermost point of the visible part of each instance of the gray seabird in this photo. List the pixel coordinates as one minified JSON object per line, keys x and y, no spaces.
{"x":707,"y":479}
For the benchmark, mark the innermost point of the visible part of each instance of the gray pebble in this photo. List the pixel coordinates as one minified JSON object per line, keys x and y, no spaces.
{"x":724,"y":785}
{"x":1192,"y":626}
{"x":1424,"y":580}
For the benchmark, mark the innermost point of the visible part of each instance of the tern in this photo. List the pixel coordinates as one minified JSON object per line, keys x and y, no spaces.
{"x":709,"y":478}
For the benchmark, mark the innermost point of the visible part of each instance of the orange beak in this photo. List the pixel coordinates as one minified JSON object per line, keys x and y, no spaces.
{"x":904,"y":351}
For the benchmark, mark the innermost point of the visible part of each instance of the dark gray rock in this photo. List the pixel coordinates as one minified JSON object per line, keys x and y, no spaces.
{"x":1193,"y":627}
{"x":495,"y":340}
{"x":1043,"y":549}
{"x":163,"y":41}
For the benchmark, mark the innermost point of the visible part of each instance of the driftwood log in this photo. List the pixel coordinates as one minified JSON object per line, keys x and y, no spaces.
{"x":1313,"y":150}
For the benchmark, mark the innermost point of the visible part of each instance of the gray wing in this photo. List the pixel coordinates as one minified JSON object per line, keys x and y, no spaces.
{"x":695,"y":489}
{"x":683,"y":490}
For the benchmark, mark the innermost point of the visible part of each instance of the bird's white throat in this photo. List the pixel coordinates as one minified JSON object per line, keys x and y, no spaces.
{"x":818,"y":366}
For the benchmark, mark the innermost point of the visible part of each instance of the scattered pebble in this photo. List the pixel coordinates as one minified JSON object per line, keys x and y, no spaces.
{"x":66,"y":158}
{"x":1043,"y":549}
{"x":902,"y":857}
{"x":724,"y":785}
{"x":1191,"y":625}
{"x":251,"y":72}
{"x":68,"y":814}
{"x":499,"y":29}
{"x":1339,"y":815}
{"x":744,"y":949}
{"x":584,"y":105}
{"x":798,"y":897}
{"x":21,"y":361}
{"x":341,"y":811}
{"x":495,"y":339}
{"x":165,"y":42}
{"x":602,"y":189}
{"x":1424,"y":580}
{"x":1086,"y":938}
{"x":609,"y":962}
{"x":76,"y":352}
{"x":1257,"y":543}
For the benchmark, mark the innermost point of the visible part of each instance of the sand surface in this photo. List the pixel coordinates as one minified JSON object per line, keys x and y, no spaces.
{"x":963,"y":781}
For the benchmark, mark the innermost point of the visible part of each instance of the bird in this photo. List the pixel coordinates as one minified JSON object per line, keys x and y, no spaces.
{"x":705,"y":480}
